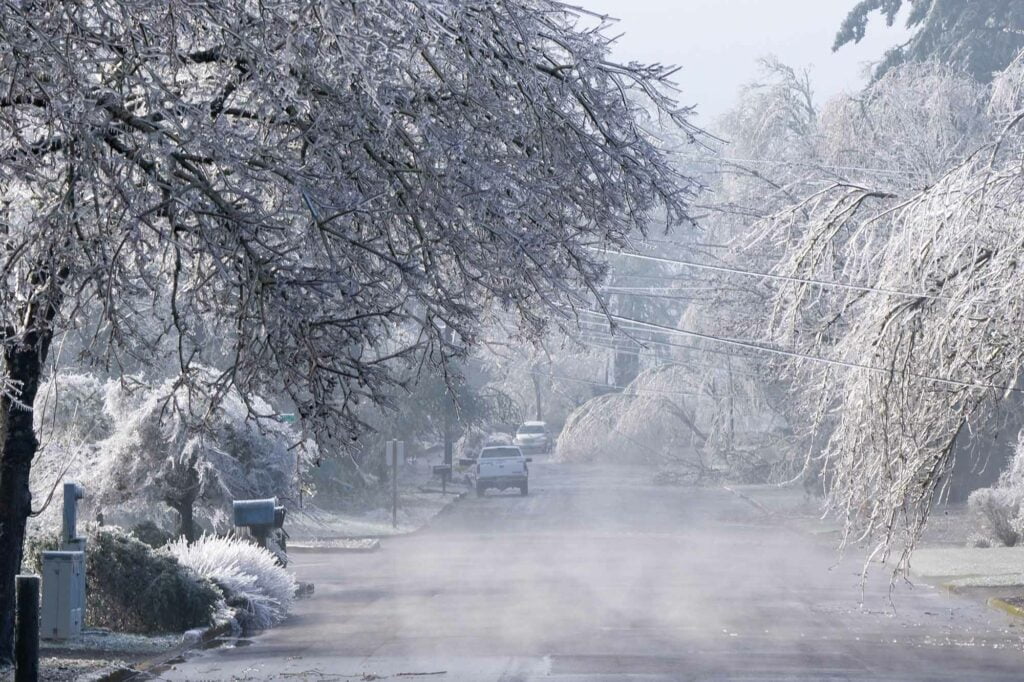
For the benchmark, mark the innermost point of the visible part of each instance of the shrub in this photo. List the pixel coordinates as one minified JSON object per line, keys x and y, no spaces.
{"x":130,"y":587}
{"x":248,"y":575}
{"x":151,"y":534}
{"x":997,"y":510}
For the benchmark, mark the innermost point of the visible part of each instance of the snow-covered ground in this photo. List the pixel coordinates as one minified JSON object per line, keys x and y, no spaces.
{"x":971,"y":566}
{"x":415,"y":509}
{"x":96,"y":653}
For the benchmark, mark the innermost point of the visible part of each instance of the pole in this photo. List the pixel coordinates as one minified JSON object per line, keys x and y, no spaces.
{"x":394,"y":484}
{"x":26,"y":629}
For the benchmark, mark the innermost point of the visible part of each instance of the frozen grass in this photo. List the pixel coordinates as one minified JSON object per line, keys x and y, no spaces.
{"x":248,"y":575}
{"x":965,"y":562}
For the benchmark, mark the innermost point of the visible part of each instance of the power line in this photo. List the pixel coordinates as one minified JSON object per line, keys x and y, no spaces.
{"x":635,"y":351}
{"x":628,"y":391}
{"x":716,"y":351}
{"x":741,"y":343}
{"x":818,"y":166}
{"x":768,"y":275}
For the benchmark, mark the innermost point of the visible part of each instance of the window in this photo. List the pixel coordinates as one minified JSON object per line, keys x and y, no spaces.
{"x":495,"y":453}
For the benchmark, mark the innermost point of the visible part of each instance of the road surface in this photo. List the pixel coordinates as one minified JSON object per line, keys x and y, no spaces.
{"x":599,"y":575}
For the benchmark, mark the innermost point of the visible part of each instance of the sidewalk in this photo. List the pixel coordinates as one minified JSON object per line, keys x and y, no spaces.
{"x":943,"y":558}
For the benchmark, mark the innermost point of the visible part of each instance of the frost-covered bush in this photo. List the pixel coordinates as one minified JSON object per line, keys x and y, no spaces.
{"x":997,"y":510}
{"x":248,"y":575}
{"x":130,"y":587}
{"x":151,"y":534}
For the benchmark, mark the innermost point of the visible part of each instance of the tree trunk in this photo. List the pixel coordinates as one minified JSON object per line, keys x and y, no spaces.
{"x":187,"y":520}
{"x":24,"y":367}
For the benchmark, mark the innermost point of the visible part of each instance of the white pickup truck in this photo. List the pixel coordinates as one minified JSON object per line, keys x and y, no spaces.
{"x":501,"y":467}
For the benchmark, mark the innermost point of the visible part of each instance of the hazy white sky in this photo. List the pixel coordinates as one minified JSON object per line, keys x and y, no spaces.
{"x":718,"y":42}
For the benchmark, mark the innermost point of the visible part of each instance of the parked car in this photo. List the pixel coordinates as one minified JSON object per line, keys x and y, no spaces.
{"x":534,"y":437}
{"x":502,"y":467}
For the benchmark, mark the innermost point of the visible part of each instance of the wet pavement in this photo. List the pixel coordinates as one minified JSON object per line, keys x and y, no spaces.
{"x":600,"y":575}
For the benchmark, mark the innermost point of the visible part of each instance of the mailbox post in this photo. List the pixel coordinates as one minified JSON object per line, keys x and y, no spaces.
{"x":73,"y":492}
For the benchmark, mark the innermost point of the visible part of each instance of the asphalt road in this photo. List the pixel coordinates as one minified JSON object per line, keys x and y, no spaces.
{"x":599,"y":575}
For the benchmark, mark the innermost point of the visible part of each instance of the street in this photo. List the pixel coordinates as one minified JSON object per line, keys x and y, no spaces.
{"x":600,"y":575}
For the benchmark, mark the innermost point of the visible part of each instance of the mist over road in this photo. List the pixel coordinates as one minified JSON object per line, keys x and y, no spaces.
{"x":600,"y":575}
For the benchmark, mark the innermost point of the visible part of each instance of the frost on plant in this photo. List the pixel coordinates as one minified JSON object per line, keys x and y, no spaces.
{"x":250,"y":578}
{"x":997,"y":510}
{"x":156,"y":453}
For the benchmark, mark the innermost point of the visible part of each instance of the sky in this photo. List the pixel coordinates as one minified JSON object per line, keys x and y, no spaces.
{"x":718,"y":42}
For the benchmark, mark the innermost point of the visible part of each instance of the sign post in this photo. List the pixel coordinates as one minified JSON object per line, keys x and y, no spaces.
{"x":394,"y":483}
{"x":394,"y":452}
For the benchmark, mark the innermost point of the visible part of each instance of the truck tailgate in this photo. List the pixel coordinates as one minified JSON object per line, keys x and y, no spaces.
{"x":495,"y":468}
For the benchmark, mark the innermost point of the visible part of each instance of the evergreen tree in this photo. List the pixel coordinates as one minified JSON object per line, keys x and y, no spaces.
{"x":981,"y":36}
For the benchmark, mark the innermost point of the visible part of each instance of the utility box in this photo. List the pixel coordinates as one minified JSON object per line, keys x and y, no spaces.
{"x":63,"y":595}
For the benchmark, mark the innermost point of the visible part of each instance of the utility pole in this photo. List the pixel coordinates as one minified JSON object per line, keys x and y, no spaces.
{"x":448,"y":444}
{"x":536,"y":376}
{"x":391,"y":455}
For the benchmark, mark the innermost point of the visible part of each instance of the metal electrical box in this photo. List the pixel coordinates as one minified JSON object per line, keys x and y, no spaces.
{"x":63,"y":595}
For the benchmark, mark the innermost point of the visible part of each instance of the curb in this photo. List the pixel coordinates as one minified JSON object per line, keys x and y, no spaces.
{"x":372,"y":546}
{"x":1006,"y":607}
{"x":190,"y":640}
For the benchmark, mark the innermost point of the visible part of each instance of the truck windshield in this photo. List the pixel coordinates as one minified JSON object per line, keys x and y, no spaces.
{"x":531,"y":428}
{"x":490,"y":453}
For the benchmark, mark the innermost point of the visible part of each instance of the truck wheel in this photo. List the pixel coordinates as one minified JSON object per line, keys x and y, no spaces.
{"x":479,"y":490}
{"x":524,"y":489}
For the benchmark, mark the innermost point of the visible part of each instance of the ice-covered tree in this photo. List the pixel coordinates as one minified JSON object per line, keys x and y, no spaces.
{"x":275,"y":189}
{"x":156,"y":452}
{"x":194,"y":455}
{"x":920,"y":339}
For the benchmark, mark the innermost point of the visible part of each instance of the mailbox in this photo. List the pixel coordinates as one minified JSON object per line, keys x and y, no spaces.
{"x":265,"y":521}
{"x":256,"y":512}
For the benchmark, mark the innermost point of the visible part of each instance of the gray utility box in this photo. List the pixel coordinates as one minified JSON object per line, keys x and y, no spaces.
{"x":63,"y":595}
